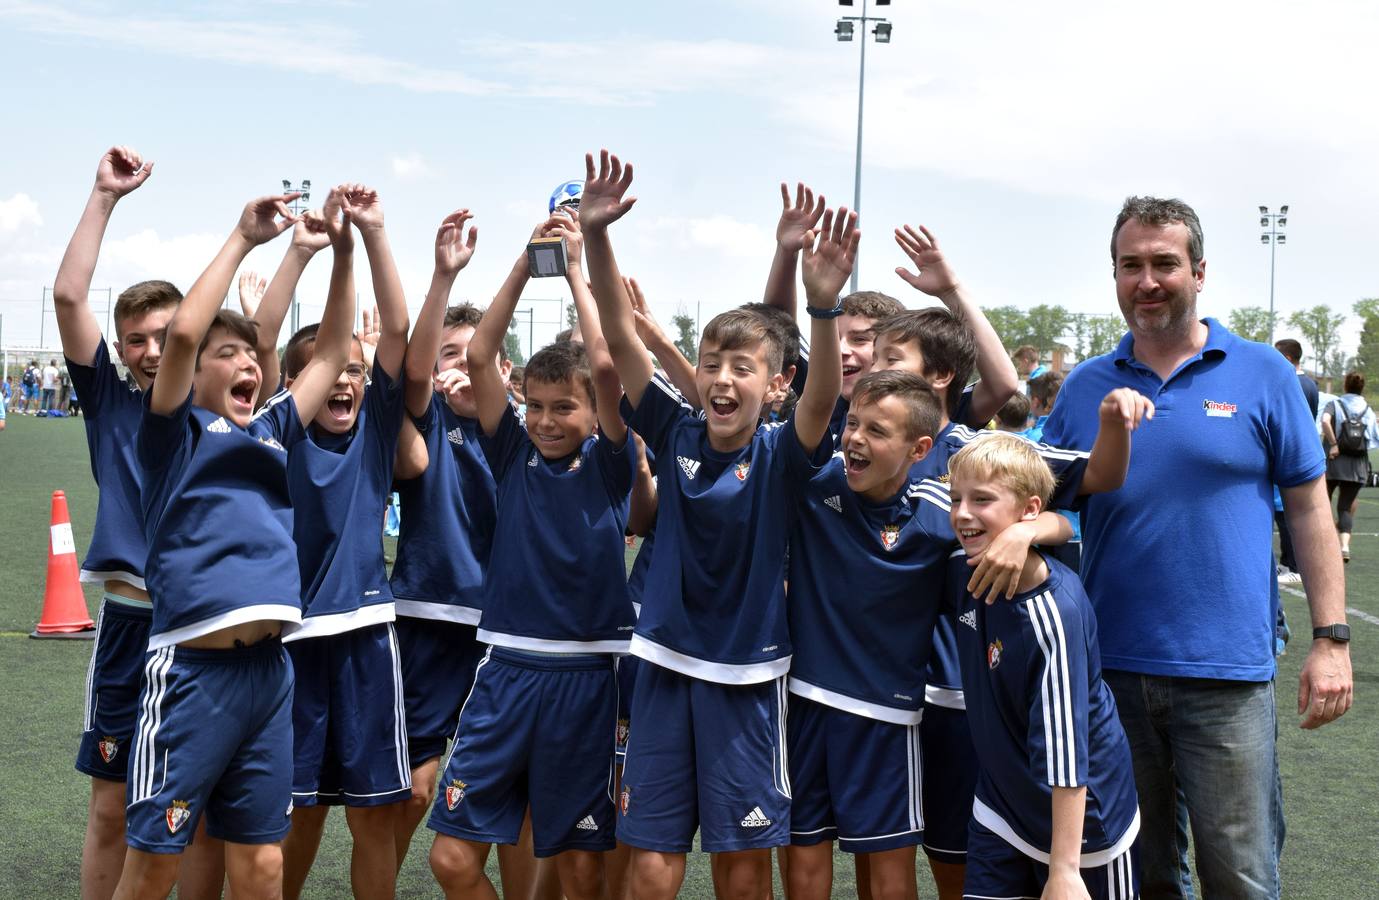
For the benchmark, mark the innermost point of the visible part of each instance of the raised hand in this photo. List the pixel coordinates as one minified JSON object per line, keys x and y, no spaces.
{"x":1125,"y":407}
{"x":369,"y":334}
{"x":934,"y":277}
{"x":121,"y":170}
{"x":796,"y":219}
{"x":565,"y":224}
{"x":362,"y":205}
{"x":454,"y":248}
{"x":829,"y":257}
{"x":310,"y":233}
{"x":648,"y":329}
{"x":266,"y":218}
{"x":251,"y":288}
{"x":603,"y":201}
{"x":336,"y":218}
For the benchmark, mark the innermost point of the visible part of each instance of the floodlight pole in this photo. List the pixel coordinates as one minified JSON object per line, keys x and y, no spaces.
{"x":1273,"y":224}
{"x":862,"y":21}
{"x":297,"y":205}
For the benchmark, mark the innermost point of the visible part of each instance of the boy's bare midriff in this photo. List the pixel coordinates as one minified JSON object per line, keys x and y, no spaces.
{"x":126,"y":590}
{"x":236,"y":636}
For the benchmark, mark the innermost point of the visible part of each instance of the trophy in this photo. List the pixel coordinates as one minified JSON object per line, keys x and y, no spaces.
{"x":546,"y":256}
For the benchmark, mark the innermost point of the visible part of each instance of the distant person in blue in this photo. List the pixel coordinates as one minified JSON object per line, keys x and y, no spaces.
{"x":1054,"y":814}
{"x":1179,"y":562}
{"x":1287,"y":564}
{"x":1349,"y":431}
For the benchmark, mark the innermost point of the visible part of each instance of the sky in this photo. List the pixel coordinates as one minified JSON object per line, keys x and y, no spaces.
{"x":1012,"y":130}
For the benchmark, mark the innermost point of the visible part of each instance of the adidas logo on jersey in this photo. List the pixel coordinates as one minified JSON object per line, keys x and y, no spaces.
{"x":219,"y":426}
{"x":587,"y":824}
{"x":969,"y":619}
{"x":755,"y":819}
{"x":690,"y":466}
{"x":531,"y":463}
{"x":834,"y":503}
{"x":455,"y":435}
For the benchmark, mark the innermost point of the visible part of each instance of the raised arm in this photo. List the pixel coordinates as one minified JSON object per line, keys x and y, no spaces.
{"x":679,"y":370}
{"x":485,"y":379}
{"x":826,"y":269}
{"x":121,"y":170}
{"x":607,"y":387}
{"x":641,"y":512}
{"x":366,"y":212}
{"x":1121,"y":412}
{"x":308,"y":238}
{"x":331,"y":354}
{"x":795,"y":220}
{"x":453,"y":251}
{"x":604,"y":202}
{"x":258,"y":224}
{"x":997,"y":379}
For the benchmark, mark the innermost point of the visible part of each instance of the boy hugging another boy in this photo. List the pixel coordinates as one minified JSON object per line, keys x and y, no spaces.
{"x":538,"y":727}
{"x":710,"y":753}
{"x":1055,"y":812}
{"x":215,"y":726}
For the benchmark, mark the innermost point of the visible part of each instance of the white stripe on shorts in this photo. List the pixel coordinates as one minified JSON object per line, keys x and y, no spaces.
{"x":404,"y":771}
{"x":88,"y":718}
{"x":150,"y":719}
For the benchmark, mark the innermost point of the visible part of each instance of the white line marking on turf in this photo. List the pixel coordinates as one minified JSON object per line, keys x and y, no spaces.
{"x":1350,"y":610}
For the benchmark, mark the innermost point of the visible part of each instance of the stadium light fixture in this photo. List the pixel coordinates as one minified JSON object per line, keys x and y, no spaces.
{"x":1273,"y":225}
{"x":844,"y":31}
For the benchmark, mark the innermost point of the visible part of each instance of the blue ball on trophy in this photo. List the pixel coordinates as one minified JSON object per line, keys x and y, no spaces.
{"x":566,"y":195}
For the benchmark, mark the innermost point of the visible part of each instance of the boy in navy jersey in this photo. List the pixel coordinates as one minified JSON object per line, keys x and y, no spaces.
{"x":115,"y":557}
{"x":349,"y":731}
{"x":712,"y":633}
{"x":538,"y":726}
{"x":214,"y":730}
{"x":1055,"y":812}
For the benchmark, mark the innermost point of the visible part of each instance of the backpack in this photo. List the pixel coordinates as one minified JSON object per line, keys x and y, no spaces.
{"x":29,"y":380}
{"x":1350,"y":436}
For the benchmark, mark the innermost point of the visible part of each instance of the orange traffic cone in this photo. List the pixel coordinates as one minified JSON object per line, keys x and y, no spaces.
{"x":64,"y":605}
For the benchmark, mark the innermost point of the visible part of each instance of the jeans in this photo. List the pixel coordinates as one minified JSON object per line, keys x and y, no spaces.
{"x":1211,"y":746}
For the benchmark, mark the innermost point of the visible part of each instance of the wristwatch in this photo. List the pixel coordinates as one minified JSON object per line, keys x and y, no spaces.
{"x":1338,"y":632}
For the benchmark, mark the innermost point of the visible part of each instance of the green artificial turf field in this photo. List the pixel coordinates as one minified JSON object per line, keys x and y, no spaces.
{"x":1331,"y":784}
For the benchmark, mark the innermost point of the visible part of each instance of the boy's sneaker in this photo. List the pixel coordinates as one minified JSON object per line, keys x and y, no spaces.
{"x":1288,"y":576}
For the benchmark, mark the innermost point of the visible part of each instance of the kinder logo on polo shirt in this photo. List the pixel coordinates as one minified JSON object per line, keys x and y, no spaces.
{"x":1217,"y":410}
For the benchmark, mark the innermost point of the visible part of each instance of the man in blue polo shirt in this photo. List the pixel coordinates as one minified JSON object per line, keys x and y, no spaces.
{"x":1188,"y":647}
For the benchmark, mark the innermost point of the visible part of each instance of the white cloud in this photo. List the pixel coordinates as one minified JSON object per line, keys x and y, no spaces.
{"x":19,"y":212}
{"x":411,"y":167}
{"x":145,"y":254}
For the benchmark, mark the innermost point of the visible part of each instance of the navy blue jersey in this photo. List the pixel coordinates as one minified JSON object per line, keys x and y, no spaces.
{"x":218,"y":519}
{"x":1041,"y":717}
{"x":944,"y":686}
{"x":111,"y":411}
{"x":557,"y":581}
{"x":714,"y":601}
{"x":340,"y":485}
{"x":866,"y":582}
{"x":449,"y":513}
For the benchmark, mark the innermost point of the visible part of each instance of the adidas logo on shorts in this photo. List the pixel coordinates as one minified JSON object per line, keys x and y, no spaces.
{"x":219,"y":426}
{"x":587,"y":824}
{"x":969,"y":619}
{"x":690,"y":466}
{"x":755,"y":819}
{"x":455,"y":435}
{"x":834,"y":503}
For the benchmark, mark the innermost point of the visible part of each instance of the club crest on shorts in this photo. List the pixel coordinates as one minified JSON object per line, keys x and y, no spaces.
{"x":454,"y":793}
{"x":624,"y":728}
{"x":742,"y":468}
{"x":108,"y":747}
{"x":889,"y":535}
{"x":625,"y":799}
{"x":178,"y":814}
{"x":993,"y":654}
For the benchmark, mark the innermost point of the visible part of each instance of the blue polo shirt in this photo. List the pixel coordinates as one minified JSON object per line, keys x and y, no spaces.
{"x":1179,"y":562}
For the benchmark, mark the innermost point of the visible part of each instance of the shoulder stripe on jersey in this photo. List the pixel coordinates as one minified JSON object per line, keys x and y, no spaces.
{"x":941,"y":500}
{"x":669,"y":389}
{"x":956,"y":553}
{"x":271,"y":402}
{"x":1055,"y":690}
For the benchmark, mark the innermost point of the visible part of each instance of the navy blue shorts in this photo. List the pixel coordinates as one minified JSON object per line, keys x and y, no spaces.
{"x":708,"y":756}
{"x":214,"y":736}
{"x":536,"y":731}
{"x":996,"y":869}
{"x":853,"y":779}
{"x":950,"y":781}
{"x":349,"y":730}
{"x":627,"y":677}
{"x":438,"y":660}
{"x":112,"y":689}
